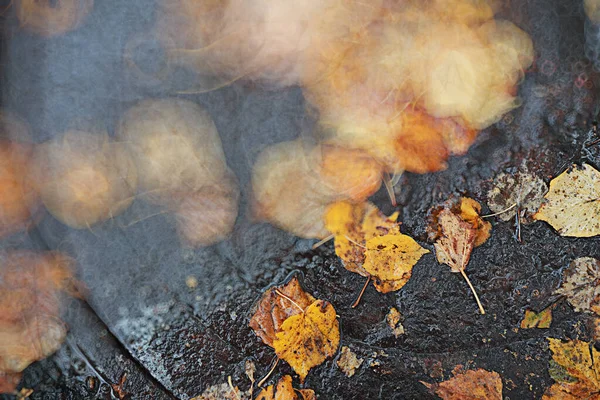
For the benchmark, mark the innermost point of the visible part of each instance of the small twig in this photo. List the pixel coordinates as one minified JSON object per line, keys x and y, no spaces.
{"x":287,"y":298}
{"x":499,"y":212}
{"x":263,"y":380}
{"x":481,"y":310}
{"x":355,"y":304}
{"x":322,"y":242}
{"x":518,"y":226}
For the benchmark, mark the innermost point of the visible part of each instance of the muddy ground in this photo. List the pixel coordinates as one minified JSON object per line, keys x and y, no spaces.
{"x":141,"y":321}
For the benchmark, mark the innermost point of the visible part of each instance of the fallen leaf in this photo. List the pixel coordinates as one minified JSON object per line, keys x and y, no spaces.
{"x":391,"y":258}
{"x":306,"y":339}
{"x":581,"y":284}
{"x":348,"y":361}
{"x":572,"y":205}
{"x":223,"y":392}
{"x":575,"y":371}
{"x":9,"y":382}
{"x":370,"y":244}
{"x":470,"y":211}
{"x":31,"y":284}
{"x":476,"y":384}
{"x":521,"y":191}
{"x":458,"y":231}
{"x":285,"y":391}
{"x":273,"y":309}
{"x":393,"y":321}
{"x":541,"y":320}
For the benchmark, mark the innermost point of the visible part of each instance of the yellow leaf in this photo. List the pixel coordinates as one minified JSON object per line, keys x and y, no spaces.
{"x":285,"y":391}
{"x":342,"y":219}
{"x":305,"y":340}
{"x":580,"y":284}
{"x":540,"y":320}
{"x":392,"y":257}
{"x":578,"y":372}
{"x":572,"y":205}
{"x":476,"y":384}
{"x":275,"y":306}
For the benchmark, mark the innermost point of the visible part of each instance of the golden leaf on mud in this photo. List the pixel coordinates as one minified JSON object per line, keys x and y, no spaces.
{"x":519,"y":192}
{"x":541,"y":320}
{"x":274,"y":308}
{"x":574,"y":369}
{"x":572,"y":204}
{"x":581,"y":284}
{"x":458,"y":230}
{"x":391,"y":258}
{"x":476,"y":384}
{"x":306,"y":339}
{"x":370,"y":244}
{"x":285,"y":391}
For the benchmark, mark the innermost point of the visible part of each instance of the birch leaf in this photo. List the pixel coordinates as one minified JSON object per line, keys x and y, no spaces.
{"x":285,"y":391}
{"x":307,"y":339}
{"x":581,"y":284}
{"x":577,"y":371}
{"x":476,"y":384}
{"x":572,"y":205}
{"x":523,"y":191}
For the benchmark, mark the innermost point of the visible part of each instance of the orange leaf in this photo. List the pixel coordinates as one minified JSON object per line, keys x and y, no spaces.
{"x":476,"y":384}
{"x":285,"y":391}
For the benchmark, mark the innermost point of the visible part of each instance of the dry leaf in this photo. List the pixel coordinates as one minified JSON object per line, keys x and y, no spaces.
{"x":572,"y":204}
{"x":285,"y":391}
{"x":469,"y":211}
{"x":273,"y":309}
{"x":458,"y":232}
{"x":521,"y":191}
{"x":540,"y":320}
{"x":305,"y":340}
{"x":9,"y":382}
{"x":223,"y":392}
{"x":476,"y":384}
{"x":576,"y":371}
{"x":580,"y":284}
{"x":393,"y":321}
{"x":348,"y":362}
{"x":370,"y":244}
{"x":30,"y":288}
{"x":391,"y":258}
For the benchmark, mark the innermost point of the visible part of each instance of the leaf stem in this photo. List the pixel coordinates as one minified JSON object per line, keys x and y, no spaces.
{"x":481,"y":310}
{"x":499,"y":212}
{"x":263,"y":380}
{"x":322,"y":242}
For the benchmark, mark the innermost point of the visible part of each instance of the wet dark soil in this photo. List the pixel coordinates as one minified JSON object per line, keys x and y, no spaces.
{"x":143,"y":322}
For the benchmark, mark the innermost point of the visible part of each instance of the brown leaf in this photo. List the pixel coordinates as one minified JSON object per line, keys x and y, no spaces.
{"x":285,"y":391}
{"x":522,"y":191}
{"x":306,"y":339}
{"x":273,"y":309}
{"x":581,"y":284}
{"x":457,"y":241}
{"x":9,"y":382}
{"x":459,"y":229}
{"x":476,"y":384}
{"x":348,"y":362}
